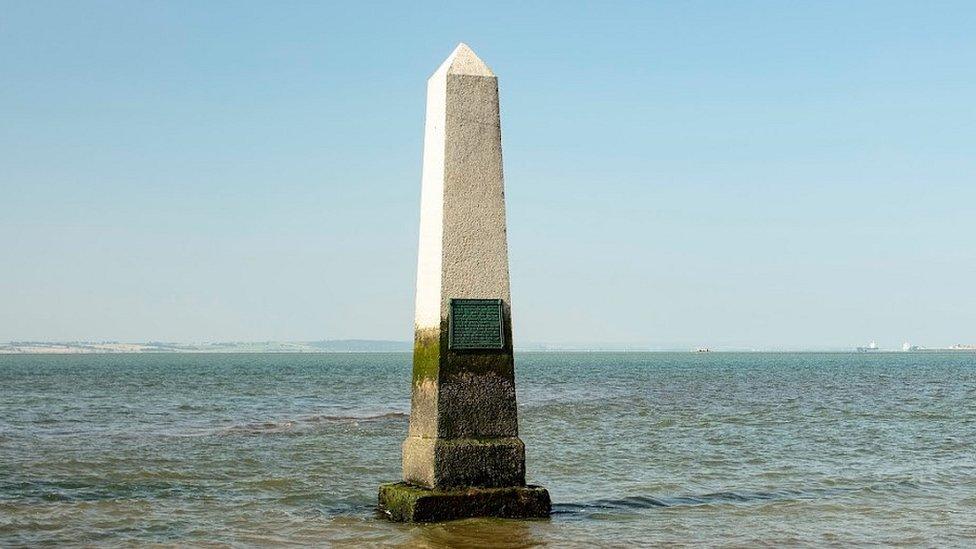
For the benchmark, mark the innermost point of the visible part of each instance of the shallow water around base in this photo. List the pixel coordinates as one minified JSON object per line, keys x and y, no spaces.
{"x":722,"y":449}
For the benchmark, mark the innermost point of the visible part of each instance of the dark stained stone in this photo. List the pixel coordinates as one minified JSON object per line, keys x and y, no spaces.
{"x":403,"y":502}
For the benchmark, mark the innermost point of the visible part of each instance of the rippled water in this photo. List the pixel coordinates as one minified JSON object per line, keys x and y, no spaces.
{"x":719,"y":449}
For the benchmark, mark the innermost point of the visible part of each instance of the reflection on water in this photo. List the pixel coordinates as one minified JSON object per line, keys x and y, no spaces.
{"x":508,"y":534}
{"x":636,"y":449}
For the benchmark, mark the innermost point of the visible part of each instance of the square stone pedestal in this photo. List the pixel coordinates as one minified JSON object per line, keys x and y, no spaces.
{"x":404,"y":502}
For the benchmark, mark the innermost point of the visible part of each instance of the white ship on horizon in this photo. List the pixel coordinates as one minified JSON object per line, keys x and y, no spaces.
{"x":873,"y":346}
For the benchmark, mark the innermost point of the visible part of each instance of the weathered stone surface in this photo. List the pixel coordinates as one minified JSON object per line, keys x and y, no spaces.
{"x":457,"y":462}
{"x":406,"y":503}
{"x":462,"y":456}
{"x":464,"y":422}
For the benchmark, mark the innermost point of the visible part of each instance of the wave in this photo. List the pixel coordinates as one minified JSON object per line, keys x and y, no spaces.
{"x":716,"y":498}
{"x":304,"y":423}
{"x":387,"y":415}
{"x":258,"y":428}
{"x":297,"y":426}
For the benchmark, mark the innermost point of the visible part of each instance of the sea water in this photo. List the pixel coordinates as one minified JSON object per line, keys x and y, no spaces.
{"x":636,"y":449}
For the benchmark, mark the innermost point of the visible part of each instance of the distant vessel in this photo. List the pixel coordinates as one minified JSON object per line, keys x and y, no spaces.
{"x":909,"y":347}
{"x":873,"y":346}
{"x":702,"y":350}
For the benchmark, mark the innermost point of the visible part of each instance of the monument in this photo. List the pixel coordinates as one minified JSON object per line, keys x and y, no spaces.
{"x":462,"y":456}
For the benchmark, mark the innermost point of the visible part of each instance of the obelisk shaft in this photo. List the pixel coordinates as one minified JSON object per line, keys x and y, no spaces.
{"x":462,"y":456}
{"x":463,"y":423}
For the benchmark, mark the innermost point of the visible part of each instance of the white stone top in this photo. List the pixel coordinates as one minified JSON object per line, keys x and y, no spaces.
{"x":463,"y":61}
{"x":463,"y":252}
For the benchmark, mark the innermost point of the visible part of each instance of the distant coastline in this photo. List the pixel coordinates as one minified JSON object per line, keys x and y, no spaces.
{"x":392,"y":346}
{"x":107,"y":347}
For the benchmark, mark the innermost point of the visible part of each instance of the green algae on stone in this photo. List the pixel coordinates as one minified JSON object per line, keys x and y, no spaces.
{"x":426,"y":356}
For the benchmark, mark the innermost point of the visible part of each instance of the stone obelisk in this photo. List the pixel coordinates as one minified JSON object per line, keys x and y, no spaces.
{"x":462,"y":456}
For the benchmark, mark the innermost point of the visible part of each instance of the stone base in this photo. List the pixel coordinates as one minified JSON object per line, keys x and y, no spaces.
{"x":463,"y":462}
{"x":404,"y":502}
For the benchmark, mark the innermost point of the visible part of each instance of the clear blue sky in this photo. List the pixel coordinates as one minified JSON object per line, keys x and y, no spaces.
{"x":681,"y":173}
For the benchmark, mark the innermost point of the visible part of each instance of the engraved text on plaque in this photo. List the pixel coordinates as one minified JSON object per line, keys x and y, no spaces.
{"x":476,"y":324}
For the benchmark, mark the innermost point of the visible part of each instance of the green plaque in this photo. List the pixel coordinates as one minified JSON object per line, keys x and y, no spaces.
{"x":476,"y":324}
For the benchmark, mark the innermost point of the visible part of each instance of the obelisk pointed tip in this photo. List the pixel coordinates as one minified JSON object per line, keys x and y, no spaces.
{"x":464,"y":61}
